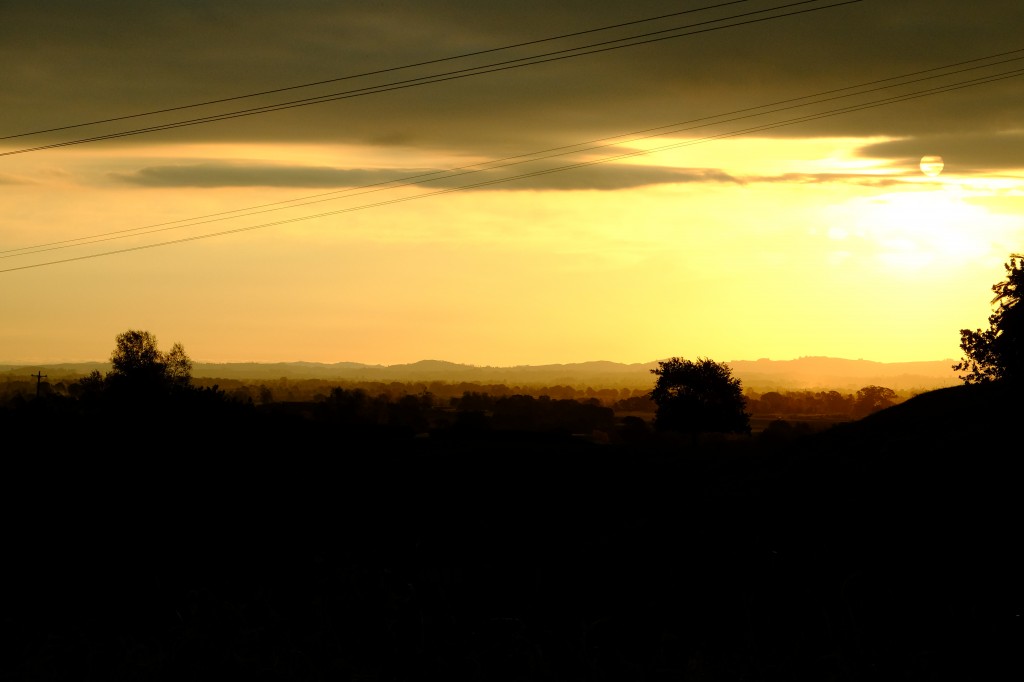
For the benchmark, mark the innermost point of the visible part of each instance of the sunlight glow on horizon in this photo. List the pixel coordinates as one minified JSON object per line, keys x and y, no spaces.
{"x":819,"y":266}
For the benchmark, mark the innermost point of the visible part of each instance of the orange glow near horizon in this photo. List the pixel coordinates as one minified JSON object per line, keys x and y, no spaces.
{"x":782,"y":263}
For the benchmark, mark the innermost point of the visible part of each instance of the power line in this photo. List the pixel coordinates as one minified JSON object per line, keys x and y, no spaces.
{"x":557,"y":55}
{"x":528,"y":157}
{"x":377,"y":72}
{"x":446,"y":76}
{"x":793,"y":121}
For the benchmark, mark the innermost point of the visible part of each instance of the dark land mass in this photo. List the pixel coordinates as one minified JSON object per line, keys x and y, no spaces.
{"x":218,"y":541}
{"x":760,"y":375}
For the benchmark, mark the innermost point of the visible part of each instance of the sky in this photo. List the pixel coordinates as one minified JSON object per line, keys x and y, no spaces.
{"x":510,"y":217}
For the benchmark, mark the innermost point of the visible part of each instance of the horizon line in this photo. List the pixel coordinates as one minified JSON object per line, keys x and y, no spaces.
{"x":18,"y":364}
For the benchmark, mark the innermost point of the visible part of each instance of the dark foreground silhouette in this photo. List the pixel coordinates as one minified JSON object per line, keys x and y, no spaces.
{"x":209,"y":543}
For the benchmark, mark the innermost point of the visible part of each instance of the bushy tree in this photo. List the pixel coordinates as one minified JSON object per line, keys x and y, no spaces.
{"x":138,"y":363}
{"x":997,"y":353}
{"x":698,"y":397}
{"x":178,"y":366}
{"x":136,"y":355}
{"x":872,"y":399}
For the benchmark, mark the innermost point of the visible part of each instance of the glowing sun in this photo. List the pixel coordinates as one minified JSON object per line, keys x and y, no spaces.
{"x":932,"y":165}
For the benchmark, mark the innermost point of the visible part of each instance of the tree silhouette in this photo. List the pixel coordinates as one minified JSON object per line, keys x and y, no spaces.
{"x":178,"y":366}
{"x":696,"y":397}
{"x":135,"y":354}
{"x":872,"y":399}
{"x":138,"y":365}
{"x":997,"y":353}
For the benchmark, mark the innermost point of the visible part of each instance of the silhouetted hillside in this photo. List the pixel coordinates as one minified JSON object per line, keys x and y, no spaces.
{"x":279,"y":544}
{"x":959,"y":421}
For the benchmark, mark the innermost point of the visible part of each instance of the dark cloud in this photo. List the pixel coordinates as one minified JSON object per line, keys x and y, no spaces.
{"x":257,"y":175}
{"x":867,"y":180}
{"x":66,"y":61}
{"x":962,"y":153}
{"x":597,"y":177}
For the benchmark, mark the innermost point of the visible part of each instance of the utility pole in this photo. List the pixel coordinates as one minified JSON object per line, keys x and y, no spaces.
{"x":39,"y":377}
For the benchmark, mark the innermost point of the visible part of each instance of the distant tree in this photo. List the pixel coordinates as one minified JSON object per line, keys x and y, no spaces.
{"x":640,"y":403}
{"x":774,"y":402}
{"x":346,"y":407}
{"x":88,"y":387}
{"x":138,"y":364}
{"x":178,"y":366}
{"x":997,"y":353}
{"x":698,"y":396}
{"x":473,"y":401}
{"x":135,"y":354}
{"x":409,"y":413}
{"x":834,"y":402}
{"x":872,"y":399}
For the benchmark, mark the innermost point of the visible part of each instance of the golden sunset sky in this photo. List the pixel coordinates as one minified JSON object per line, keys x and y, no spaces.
{"x":820,"y":238}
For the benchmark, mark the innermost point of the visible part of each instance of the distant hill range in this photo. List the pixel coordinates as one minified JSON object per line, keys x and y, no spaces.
{"x":759,"y":375}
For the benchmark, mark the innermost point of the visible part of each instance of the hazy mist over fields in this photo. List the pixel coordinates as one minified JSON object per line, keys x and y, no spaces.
{"x":802,"y":373}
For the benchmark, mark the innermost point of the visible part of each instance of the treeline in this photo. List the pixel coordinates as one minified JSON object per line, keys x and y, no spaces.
{"x":473,"y":413}
{"x":312,"y":390}
{"x":148,"y":388}
{"x":356,"y":414}
{"x":457,"y":395}
{"x":823,"y":403}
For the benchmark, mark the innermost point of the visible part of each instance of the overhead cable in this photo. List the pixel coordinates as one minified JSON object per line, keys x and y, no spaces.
{"x":746,"y":131}
{"x":564,"y":150}
{"x":376,"y":72}
{"x":557,"y":55}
